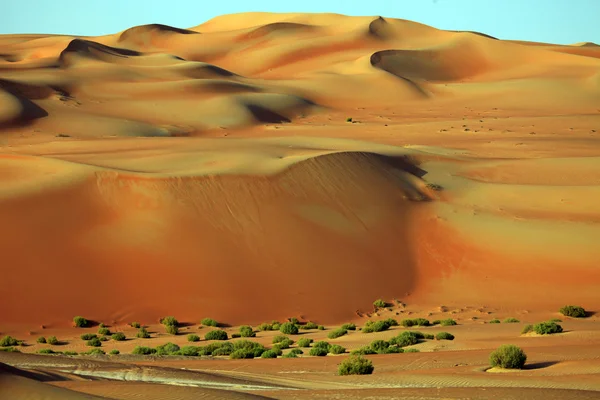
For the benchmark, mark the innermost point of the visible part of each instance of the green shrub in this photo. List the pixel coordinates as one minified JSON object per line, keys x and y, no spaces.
{"x":169,"y":321}
{"x":511,"y":321}
{"x":94,"y":342}
{"x":167,"y":349}
{"x":143,"y":333}
{"x":209,"y":322}
{"x":527,"y":329}
{"x":52,"y":340}
{"x":265,"y":327}
{"x":296,"y":351}
{"x":289,"y":328}
{"x":508,"y":356}
{"x":366,"y":350}
{"x":290,"y":355}
{"x":349,"y":327}
{"x":269,"y":354}
{"x":103,"y":331}
{"x":318,"y":351}
{"x":189,"y":351}
{"x":285,"y":344}
{"x":304,"y":342}
{"x":404,"y":339}
{"x":573,"y":311}
{"x":47,"y":351}
{"x":447,"y":322}
{"x":236,"y":335}
{"x":9,"y":350}
{"x":136,"y":325}
{"x":349,"y":119}
{"x":277,"y":349}
{"x":356,"y":365}
{"x":309,"y":325}
{"x":321,"y":328}
{"x":41,"y":339}
{"x":114,"y":352}
{"x":118,"y":336}
{"x":411,"y":350}
{"x":94,"y":352}
{"x":247,"y":331}
{"x":495,"y":321}
{"x":407,"y":323}
{"x":337,"y":349}
{"x":337,"y":333}
{"x":70,"y":353}
{"x":428,"y":336}
{"x":279,"y":338}
{"x":379,"y":304}
{"x":88,"y":336}
{"x":193,"y":338}
{"x":547,"y":328}
{"x":556,"y":320}
{"x":240,"y":354}
{"x":276,"y":326}
{"x":379,"y":346}
{"x":322,"y":344}
{"x":143,"y":350}
{"x":391,"y":322}
{"x":80,"y":322}
{"x":217,"y":334}
{"x":172,"y":329}
{"x":444,"y":336}
{"x":371,"y":326}
{"x":104,"y":339}
{"x":436,"y":322}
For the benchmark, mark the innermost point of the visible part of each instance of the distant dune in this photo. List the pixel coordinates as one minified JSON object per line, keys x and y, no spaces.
{"x":212,"y":170}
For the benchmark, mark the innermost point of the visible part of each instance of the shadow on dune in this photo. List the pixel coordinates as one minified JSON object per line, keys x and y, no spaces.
{"x":540,"y":365}
{"x":30,"y":111}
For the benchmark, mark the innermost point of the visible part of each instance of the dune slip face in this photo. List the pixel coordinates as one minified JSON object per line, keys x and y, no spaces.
{"x":261,"y":166}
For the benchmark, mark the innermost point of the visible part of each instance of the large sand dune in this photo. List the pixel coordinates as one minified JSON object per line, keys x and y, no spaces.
{"x":211,"y":171}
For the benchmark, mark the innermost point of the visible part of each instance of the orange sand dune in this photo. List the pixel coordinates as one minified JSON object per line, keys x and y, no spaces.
{"x":215,"y":170}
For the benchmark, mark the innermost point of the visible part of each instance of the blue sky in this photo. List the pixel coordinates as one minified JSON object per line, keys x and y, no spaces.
{"x":554,"y":21}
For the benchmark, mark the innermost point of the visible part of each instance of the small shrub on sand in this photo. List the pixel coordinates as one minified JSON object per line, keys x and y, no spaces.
{"x":379,"y":345}
{"x":573,"y":311}
{"x":288,"y":328}
{"x":356,"y":365}
{"x":547,"y":328}
{"x":46,"y":351}
{"x":285,"y":344}
{"x":411,"y":350}
{"x":495,"y":321}
{"x":444,"y":336}
{"x":265,"y":327}
{"x":167,"y":349}
{"x":527,"y":329}
{"x":279,"y":338}
{"x":217,"y":334}
{"x":290,"y":355}
{"x":309,"y":325}
{"x":103,"y":331}
{"x":142,"y":333}
{"x":379,"y":304}
{"x":508,"y":356}
{"x":118,"y":336}
{"x":80,"y":322}
{"x":511,"y":321}
{"x":169,"y":321}
{"x":236,"y":335}
{"x":447,"y":322}
{"x":95,"y":342}
{"x":193,"y":338}
{"x":41,"y":339}
{"x":556,"y":320}
{"x":136,"y":325}
{"x":70,"y":353}
{"x":363,"y":351}
{"x":349,"y":119}
{"x":296,"y":351}
{"x":337,"y":349}
{"x":436,"y":322}
{"x":143,"y":350}
{"x":318,"y":352}
{"x":322,"y":344}
{"x":247,"y":331}
{"x":114,"y":352}
{"x":269,"y":354}
{"x":337,"y":333}
{"x":104,"y":339}
{"x":404,"y":339}
{"x":378,"y":326}
{"x":304,"y":342}
{"x":52,"y":340}
{"x":407,"y":323}
{"x":9,"y":350}
{"x":88,"y":336}
{"x":349,"y":327}
{"x":172,"y":329}
{"x":321,"y":328}
{"x":209,"y":322}
{"x":94,"y":352}
{"x":240,"y":354}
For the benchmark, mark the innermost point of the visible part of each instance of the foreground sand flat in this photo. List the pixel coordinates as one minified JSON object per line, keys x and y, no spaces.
{"x":266,"y":166}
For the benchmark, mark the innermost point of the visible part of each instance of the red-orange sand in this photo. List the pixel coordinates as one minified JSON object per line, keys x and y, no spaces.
{"x":215,"y":171}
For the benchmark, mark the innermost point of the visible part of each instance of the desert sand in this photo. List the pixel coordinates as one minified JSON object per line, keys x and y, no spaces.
{"x":265,"y":166}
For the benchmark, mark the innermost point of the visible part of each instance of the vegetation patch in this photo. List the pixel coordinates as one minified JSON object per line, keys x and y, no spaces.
{"x":94,"y":342}
{"x":356,"y":365}
{"x":337,"y":333}
{"x":118,"y":336}
{"x":573,"y":311}
{"x":444,"y":336}
{"x":52,"y":340}
{"x":508,"y":356}
{"x":193,"y":338}
{"x":304,"y":342}
{"x":407,"y":323}
{"x":143,"y":333}
{"x":88,"y":336}
{"x":511,"y":321}
{"x":80,"y":322}
{"x":217,"y":334}
{"x":547,"y":328}
{"x":209,"y":322}
{"x":527,"y":329}
{"x":247,"y":331}
{"x":447,"y":322}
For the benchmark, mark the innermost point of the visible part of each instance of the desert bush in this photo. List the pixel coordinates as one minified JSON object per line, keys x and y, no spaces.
{"x":495,"y":321}
{"x":80,"y":322}
{"x":172,"y":329}
{"x":379,"y":304}
{"x":118,"y":336}
{"x":527,"y":329}
{"x":573,"y":311}
{"x":276,"y":326}
{"x":349,"y":327}
{"x":285,"y":344}
{"x":318,"y":351}
{"x":241,"y":353}
{"x":379,"y":345}
{"x":143,"y":350}
{"x":322,"y":344}
{"x":444,"y":336}
{"x":265,"y":327}
{"x":69,"y":353}
{"x":391,"y":322}
{"x":547,"y":328}
{"x":193,"y":338}
{"x":508,"y":356}
{"x":556,"y":320}
{"x":428,"y":336}
{"x":309,"y":325}
{"x":290,"y":355}
{"x":365,"y":350}
{"x":296,"y":351}
{"x":9,"y":350}
{"x":436,"y":322}
{"x":404,"y":339}
{"x":103,"y":331}
{"x":143,"y":333}
{"x":279,"y":338}
{"x":169,"y":321}
{"x":407,"y":323}
{"x":337,"y":333}
{"x":94,"y":342}
{"x":372,"y":326}
{"x":356,"y":365}
{"x":189,"y":351}
{"x":269,"y":354}
{"x":209,"y":322}
{"x":337,"y":349}
{"x":304,"y":342}
{"x":88,"y":336}
{"x":104,"y":339}
{"x":167,"y":349}
{"x":41,"y":339}
{"x":236,"y":335}
{"x":217,"y":334}
{"x":511,"y":321}
{"x":447,"y":322}
{"x":114,"y":352}
{"x":411,"y":350}
{"x":277,"y":349}
{"x":46,"y":351}
{"x":52,"y":340}
{"x":247,"y":331}
{"x":349,"y":119}
{"x":94,"y":352}
{"x":136,"y":325}
{"x":289,"y":328}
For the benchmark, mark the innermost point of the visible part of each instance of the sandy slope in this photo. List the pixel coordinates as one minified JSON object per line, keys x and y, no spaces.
{"x":134,"y":185}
